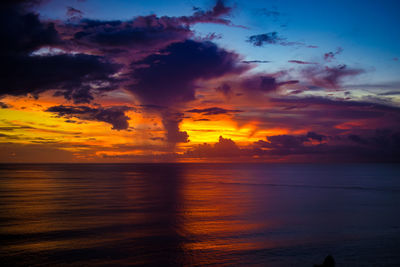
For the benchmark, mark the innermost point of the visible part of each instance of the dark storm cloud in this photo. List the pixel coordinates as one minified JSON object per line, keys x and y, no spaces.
{"x":22,"y":32}
{"x":170,"y":119}
{"x":112,"y":115}
{"x":170,"y":76}
{"x":163,"y":77}
{"x":213,"y":111}
{"x":23,"y":73}
{"x":73,"y":74}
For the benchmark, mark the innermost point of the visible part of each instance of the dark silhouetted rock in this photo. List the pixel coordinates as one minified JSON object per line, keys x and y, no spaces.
{"x":328,"y":262}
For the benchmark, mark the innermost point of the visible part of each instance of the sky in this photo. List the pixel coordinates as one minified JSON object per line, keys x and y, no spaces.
{"x":199,"y":81}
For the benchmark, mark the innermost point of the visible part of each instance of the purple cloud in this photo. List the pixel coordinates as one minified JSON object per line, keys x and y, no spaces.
{"x":225,"y":90}
{"x":329,"y":77}
{"x":213,"y":111}
{"x":264,"y":83}
{"x":223,"y":148}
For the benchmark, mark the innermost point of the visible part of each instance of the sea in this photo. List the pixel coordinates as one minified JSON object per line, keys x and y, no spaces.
{"x":199,"y":214}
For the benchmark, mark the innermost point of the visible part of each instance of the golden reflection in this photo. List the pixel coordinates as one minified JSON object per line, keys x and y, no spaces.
{"x":217,"y":210}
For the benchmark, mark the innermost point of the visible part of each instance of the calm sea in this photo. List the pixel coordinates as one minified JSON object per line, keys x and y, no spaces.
{"x":199,"y":214}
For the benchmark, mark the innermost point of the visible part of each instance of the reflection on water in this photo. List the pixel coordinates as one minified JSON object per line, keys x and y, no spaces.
{"x":199,"y":214}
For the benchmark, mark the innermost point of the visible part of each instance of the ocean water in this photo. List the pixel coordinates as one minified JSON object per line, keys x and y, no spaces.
{"x":199,"y":214}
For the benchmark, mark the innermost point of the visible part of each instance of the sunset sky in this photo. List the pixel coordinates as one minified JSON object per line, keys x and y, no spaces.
{"x":200,"y":81}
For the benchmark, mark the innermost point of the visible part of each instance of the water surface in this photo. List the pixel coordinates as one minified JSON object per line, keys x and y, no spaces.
{"x":199,"y":214}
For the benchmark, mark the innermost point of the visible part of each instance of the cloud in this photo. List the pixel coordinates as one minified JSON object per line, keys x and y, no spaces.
{"x":112,"y":115}
{"x":143,"y":33}
{"x":224,"y":148}
{"x":338,"y":105}
{"x":4,"y":105}
{"x":255,"y":61}
{"x":381,"y":146}
{"x":177,"y":68}
{"x":265,"y":38}
{"x":264,"y":83}
{"x":315,"y":136}
{"x":165,"y":65}
{"x":300,"y":62}
{"x":169,"y":78}
{"x":225,"y":90}
{"x":210,"y":16}
{"x":96,"y":44}
{"x":75,"y":74}
{"x":171,"y":121}
{"x":271,"y":38}
{"x":283,"y":144}
{"x":390,"y":93}
{"x":22,"y":32}
{"x":329,"y":77}
{"x":74,"y":14}
{"x":213,"y":111}
{"x":331,"y":55}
